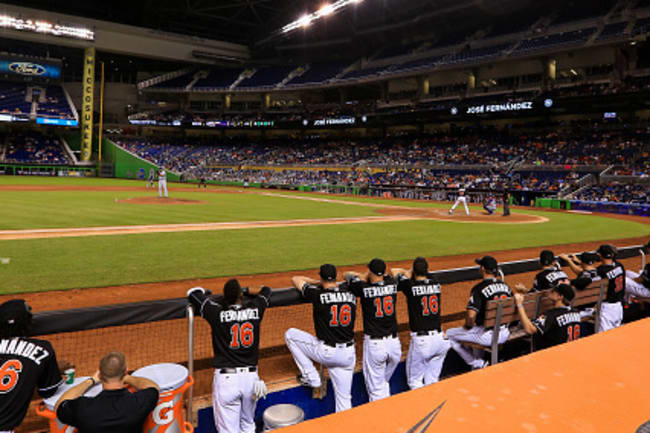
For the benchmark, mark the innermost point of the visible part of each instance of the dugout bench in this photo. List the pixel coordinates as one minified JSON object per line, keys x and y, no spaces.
{"x":504,"y":312}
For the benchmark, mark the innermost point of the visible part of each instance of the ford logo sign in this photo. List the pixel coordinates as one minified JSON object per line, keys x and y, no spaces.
{"x":26,"y":68}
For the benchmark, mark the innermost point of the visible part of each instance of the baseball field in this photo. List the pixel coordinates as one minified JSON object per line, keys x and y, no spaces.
{"x":61,"y":233}
{"x":71,"y":243}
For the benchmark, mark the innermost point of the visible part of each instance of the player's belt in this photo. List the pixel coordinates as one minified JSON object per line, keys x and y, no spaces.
{"x":339,"y":345}
{"x":237,"y":370}
{"x":423,"y":333}
{"x":393,"y":335}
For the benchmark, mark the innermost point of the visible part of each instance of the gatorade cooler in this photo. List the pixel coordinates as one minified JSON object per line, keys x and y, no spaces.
{"x":282,"y":415}
{"x":46,"y":408}
{"x":173,"y":380}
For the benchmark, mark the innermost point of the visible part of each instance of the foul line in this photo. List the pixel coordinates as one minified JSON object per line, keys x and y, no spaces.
{"x":160,"y":228}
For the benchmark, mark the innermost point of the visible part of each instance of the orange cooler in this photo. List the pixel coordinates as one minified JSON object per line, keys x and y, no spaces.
{"x":46,"y":408}
{"x":173,"y":380}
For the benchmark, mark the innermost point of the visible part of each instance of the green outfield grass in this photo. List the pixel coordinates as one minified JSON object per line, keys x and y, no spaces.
{"x":46,"y":264}
{"x":65,"y":263}
{"x":54,"y":209}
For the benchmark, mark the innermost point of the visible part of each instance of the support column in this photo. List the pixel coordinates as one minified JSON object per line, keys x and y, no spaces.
{"x":423,"y":87}
{"x":550,"y":72}
{"x":266,"y":101}
{"x":471,"y":82}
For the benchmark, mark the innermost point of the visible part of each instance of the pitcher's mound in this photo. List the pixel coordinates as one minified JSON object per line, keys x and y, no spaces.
{"x":159,"y":200}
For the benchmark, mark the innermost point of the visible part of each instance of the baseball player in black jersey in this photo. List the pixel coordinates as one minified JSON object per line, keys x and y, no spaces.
{"x":551,"y":275}
{"x":558,"y":325}
{"x":334,"y":312}
{"x":611,"y":308}
{"x":428,"y":347}
{"x":583,"y":267}
{"x":26,"y":364}
{"x":382,"y":350}
{"x":235,"y":323}
{"x":473,"y":331}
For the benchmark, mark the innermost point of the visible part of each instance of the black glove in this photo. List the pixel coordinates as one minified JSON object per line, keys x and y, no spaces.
{"x":245,"y":290}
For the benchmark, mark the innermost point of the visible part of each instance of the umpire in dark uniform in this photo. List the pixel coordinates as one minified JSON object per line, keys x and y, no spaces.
{"x":115,"y":409}
{"x":506,"y":203}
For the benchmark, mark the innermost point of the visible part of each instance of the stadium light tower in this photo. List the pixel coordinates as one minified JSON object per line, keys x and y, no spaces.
{"x":325,"y":10}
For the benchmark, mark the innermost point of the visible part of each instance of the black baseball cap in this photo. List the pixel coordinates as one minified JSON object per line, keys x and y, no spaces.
{"x":231,"y":291}
{"x":377,"y":267}
{"x":546,"y":257}
{"x":606,"y":251}
{"x":327,"y":272}
{"x":588,"y":258}
{"x":566,"y":291}
{"x":420,"y":266}
{"x":488,"y":262}
{"x":581,"y":283}
{"x":15,"y":311}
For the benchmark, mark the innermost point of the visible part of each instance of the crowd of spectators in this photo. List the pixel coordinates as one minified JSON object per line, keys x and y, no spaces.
{"x":471,"y":147}
{"x":616,"y":192}
{"x":552,"y":181}
{"x":34,"y":148}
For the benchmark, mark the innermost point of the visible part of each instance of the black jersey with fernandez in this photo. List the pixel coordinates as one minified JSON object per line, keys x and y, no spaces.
{"x":377,"y":305}
{"x":487,"y":290}
{"x":423,"y":300}
{"x":334,"y":312}
{"x":235,"y":328}
{"x":557,"y":326}
{"x":25,"y":364}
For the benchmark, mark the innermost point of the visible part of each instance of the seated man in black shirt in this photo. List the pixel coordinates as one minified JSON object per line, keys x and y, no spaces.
{"x":115,"y":409}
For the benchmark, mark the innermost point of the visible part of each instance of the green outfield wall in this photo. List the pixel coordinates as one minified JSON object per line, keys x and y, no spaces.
{"x":127,"y":165}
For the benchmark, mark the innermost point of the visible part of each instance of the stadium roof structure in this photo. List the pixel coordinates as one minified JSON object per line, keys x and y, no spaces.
{"x":360,"y":28}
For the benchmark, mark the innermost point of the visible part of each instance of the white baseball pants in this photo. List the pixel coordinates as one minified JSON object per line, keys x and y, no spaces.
{"x":339,"y":360}
{"x":233,"y":404}
{"x":380,"y":359}
{"x":632,"y":288}
{"x":479,"y":335}
{"x":462,"y":199}
{"x":425,"y":358}
{"x":611,"y":315}
{"x":162,"y":186}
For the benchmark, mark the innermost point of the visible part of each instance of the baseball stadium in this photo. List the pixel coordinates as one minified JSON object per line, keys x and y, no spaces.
{"x":177,"y":179}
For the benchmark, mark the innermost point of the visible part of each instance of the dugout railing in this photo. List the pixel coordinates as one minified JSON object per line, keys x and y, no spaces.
{"x":153,"y":331}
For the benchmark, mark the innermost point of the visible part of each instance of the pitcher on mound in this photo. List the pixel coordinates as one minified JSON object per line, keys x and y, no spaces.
{"x":461,"y":199}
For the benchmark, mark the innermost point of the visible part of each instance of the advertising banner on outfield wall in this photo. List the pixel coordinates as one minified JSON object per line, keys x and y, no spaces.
{"x":87,"y":104}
